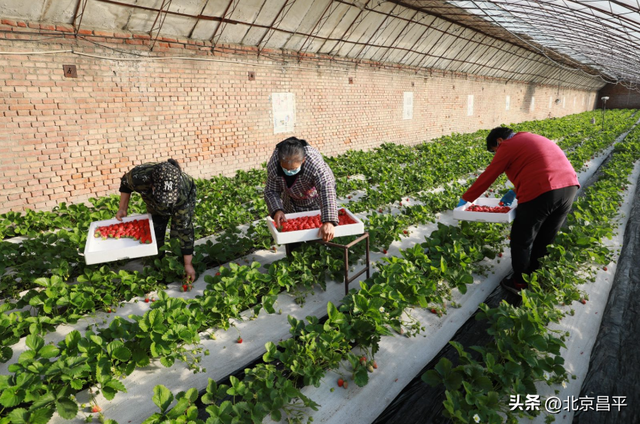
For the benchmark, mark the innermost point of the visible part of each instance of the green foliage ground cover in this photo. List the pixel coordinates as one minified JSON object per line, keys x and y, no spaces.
{"x":171,"y":328}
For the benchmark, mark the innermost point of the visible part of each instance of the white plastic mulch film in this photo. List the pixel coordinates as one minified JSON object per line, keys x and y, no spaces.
{"x":602,"y":35}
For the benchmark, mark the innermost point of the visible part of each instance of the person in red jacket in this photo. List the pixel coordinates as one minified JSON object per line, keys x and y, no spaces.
{"x":545,"y":184}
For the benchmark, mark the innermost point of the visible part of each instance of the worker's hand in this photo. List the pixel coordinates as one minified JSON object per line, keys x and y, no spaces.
{"x":190,"y":273}
{"x":462,"y":202}
{"x":508,"y":198}
{"x":326,"y":231}
{"x":121,"y":214}
{"x":279,"y":218}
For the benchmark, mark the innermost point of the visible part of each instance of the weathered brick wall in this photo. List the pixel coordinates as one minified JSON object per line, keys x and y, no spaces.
{"x":620,"y":97}
{"x":68,"y":139}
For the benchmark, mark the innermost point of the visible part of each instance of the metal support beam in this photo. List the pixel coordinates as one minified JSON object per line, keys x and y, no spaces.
{"x":231,"y":7}
{"x":160,"y":17}
{"x":78,"y":13}
{"x":276,"y":19}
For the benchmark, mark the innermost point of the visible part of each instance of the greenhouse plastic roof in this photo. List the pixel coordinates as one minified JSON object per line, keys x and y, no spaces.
{"x":582,"y":44}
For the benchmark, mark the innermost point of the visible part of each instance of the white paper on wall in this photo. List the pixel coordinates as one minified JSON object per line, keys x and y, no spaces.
{"x":533,"y":104}
{"x":284,"y":112}
{"x":508,"y":103}
{"x":407,"y":108}
{"x":470,"y":105}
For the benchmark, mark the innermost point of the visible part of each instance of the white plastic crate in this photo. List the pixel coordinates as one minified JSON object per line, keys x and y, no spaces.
{"x":312,"y":234}
{"x":460,"y":213}
{"x":98,"y":251}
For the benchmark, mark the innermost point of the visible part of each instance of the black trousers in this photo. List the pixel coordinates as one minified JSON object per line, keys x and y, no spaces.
{"x":160,"y":223}
{"x":535,"y":227}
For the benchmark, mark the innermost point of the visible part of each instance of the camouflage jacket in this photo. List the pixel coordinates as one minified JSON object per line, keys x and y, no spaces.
{"x":314,"y":187}
{"x":139,"y":179}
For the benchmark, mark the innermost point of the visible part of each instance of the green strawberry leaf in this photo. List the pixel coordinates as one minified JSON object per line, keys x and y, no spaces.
{"x":162,"y":397}
{"x":67,"y":408}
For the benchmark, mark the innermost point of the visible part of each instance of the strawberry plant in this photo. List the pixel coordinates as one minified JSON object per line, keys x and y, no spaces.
{"x":313,"y":348}
{"x":184,"y":411}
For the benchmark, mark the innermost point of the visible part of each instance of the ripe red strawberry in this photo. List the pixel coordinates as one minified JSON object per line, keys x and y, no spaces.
{"x":363,"y":360}
{"x":340,"y":382}
{"x":384,"y":251}
{"x":583,"y":301}
{"x":375,"y":365}
{"x":217,"y":273}
{"x":239,"y":339}
{"x":500,"y":254}
{"x":406,"y":232}
{"x":348,"y":197}
{"x":605,"y":268}
{"x":185,"y":287}
{"x":146,"y":300}
{"x":96,"y":408}
{"x":434,"y":310}
{"x":380,"y":210}
{"x":400,"y":203}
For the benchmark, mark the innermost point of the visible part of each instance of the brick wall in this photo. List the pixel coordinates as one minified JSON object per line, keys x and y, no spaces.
{"x":68,"y":139}
{"x":619,"y":97}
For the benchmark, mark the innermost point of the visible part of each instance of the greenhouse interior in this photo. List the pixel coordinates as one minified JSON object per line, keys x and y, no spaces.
{"x":329,"y":211}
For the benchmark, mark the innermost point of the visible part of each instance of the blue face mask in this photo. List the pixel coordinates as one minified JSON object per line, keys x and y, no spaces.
{"x":291,"y":172}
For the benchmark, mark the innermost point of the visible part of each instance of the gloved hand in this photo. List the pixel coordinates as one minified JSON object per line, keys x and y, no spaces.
{"x":508,"y":198}
{"x":462,"y":202}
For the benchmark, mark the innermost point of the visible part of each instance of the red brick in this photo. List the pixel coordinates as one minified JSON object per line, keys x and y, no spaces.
{"x":64,"y":28}
{"x":103,"y":33}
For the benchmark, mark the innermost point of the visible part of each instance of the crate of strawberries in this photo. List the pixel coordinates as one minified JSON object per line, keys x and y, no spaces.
{"x":485,"y":209}
{"x":303,"y":226}
{"x":112,"y":240}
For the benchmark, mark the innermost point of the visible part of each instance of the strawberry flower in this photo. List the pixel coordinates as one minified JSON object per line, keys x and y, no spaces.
{"x":476,"y":418}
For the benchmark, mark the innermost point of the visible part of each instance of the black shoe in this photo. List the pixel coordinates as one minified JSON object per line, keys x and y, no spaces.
{"x":510,"y":285}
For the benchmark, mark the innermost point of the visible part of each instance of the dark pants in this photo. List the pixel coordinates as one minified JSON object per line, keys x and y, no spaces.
{"x":535,"y":227}
{"x":160,"y":223}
